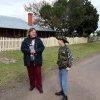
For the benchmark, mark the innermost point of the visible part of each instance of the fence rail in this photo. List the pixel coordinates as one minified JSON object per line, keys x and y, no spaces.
{"x":15,"y":43}
{"x":10,"y":43}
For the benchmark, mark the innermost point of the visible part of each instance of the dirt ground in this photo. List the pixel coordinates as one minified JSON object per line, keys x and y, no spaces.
{"x":84,"y":84}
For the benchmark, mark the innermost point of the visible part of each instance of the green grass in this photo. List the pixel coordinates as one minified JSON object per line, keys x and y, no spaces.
{"x":17,"y":71}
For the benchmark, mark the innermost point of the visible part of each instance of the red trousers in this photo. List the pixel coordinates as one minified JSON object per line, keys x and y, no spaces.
{"x":35,"y":77}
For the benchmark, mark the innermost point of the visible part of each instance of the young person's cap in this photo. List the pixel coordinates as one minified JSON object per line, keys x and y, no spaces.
{"x":62,"y":38}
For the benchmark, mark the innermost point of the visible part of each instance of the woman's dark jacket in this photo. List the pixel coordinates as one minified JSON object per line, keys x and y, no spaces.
{"x":25,"y":48}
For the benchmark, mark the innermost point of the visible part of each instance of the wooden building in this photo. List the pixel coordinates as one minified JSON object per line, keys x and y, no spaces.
{"x":17,"y":28}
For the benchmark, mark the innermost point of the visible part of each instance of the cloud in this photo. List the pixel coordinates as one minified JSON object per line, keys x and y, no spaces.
{"x":13,"y":8}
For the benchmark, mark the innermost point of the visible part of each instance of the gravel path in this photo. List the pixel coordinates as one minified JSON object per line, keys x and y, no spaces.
{"x":84,"y":82}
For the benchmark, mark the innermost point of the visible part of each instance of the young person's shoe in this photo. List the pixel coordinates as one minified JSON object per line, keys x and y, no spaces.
{"x":65,"y":97}
{"x":59,"y":93}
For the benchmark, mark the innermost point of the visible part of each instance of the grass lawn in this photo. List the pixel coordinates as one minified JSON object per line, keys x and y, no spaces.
{"x":17,"y":71}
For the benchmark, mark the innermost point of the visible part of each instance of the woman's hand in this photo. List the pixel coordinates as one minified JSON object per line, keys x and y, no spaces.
{"x":68,"y":68}
{"x":33,"y":51}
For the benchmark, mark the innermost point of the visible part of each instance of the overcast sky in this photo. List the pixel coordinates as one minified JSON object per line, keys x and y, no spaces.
{"x":15,"y":8}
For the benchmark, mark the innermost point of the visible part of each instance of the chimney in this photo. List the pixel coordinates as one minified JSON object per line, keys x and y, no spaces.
{"x":30,"y":19}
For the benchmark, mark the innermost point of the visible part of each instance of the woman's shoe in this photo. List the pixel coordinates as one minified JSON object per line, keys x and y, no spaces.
{"x":40,"y":90}
{"x":31,"y":88}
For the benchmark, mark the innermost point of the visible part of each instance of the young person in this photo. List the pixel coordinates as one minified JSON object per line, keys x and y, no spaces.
{"x":64,"y":63}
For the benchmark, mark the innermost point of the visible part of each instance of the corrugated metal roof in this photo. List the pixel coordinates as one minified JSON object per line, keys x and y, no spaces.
{"x":17,"y":23}
{"x":13,"y":23}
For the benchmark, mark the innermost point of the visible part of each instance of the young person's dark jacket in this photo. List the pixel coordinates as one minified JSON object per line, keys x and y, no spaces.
{"x":39,"y":48}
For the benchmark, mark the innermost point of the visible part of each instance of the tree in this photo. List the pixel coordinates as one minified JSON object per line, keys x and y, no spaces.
{"x":90,"y":22}
{"x":82,"y":18}
{"x":35,"y":8}
{"x":72,"y":17}
{"x":53,"y":14}
{"x":98,"y":33}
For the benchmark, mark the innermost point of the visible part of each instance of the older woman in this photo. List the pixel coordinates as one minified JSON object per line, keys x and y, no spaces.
{"x":32,"y":48}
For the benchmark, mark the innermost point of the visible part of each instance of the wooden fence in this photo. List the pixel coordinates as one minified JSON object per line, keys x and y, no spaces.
{"x":15,"y":43}
{"x":10,"y":43}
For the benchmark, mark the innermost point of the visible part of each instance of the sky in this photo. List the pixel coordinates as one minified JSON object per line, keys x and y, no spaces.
{"x":15,"y":8}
